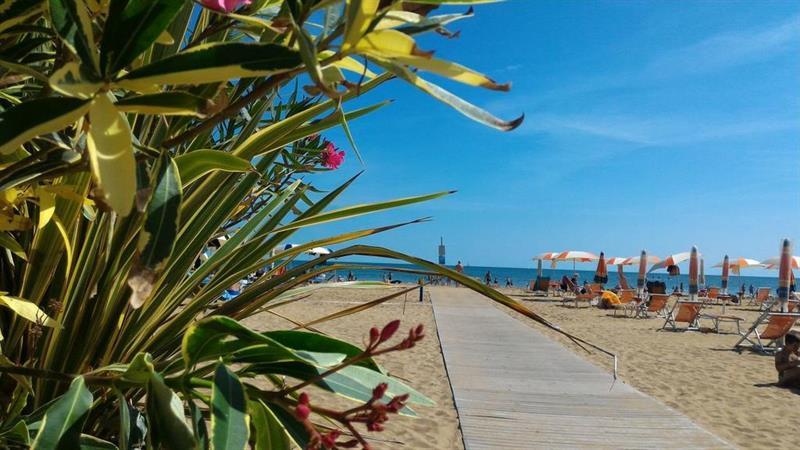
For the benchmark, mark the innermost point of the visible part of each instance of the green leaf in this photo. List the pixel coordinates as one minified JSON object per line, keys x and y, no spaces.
{"x":197,"y":163}
{"x":14,"y":12}
{"x":111,"y":155}
{"x":315,"y":342}
{"x":460,"y":105}
{"x":63,"y":420}
{"x":94,"y":443}
{"x":73,"y":81}
{"x":173,"y":103}
{"x":132,"y":27}
{"x":157,"y":238}
{"x":166,"y":416}
{"x":270,"y":433}
{"x":358,"y":210}
{"x":8,"y":242}
{"x":71,"y":21}
{"x":230,"y":429}
{"x":27,"y":310}
{"x":205,"y":337}
{"x":37,"y":166}
{"x":212,"y":63}
{"x":37,"y":117}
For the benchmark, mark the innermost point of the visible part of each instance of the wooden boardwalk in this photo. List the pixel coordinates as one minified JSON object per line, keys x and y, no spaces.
{"x":514,"y":388}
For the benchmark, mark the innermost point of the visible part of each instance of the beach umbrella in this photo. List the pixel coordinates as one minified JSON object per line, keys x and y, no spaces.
{"x":620,"y":261}
{"x":642,"y":276}
{"x":702,"y":279}
{"x":671,"y":260}
{"x":601,"y":273}
{"x":694,"y":265}
{"x":774,"y":263}
{"x":737,"y":264}
{"x":725,"y":268}
{"x":785,"y":273}
{"x":317,"y":251}
{"x":575,"y":256}
{"x":546,"y":256}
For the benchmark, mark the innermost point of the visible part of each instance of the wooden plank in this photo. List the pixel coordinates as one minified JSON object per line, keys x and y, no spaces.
{"x":514,"y":388}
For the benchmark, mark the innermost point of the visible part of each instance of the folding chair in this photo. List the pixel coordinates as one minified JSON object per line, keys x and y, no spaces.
{"x":778,"y":325}
{"x":712,"y":294}
{"x":762,"y":297}
{"x":655,"y":305}
{"x":687,"y":312}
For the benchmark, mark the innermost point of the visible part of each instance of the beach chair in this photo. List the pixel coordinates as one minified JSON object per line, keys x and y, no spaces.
{"x":627,"y":301}
{"x":541,"y":285}
{"x":656,"y":305}
{"x":778,"y":325}
{"x":712,"y":294}
{"x":762,"y":297}
{"x":587,"y":297}
{"x":687,"y":312}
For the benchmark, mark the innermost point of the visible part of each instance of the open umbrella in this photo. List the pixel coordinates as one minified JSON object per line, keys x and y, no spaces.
{"x":546,"y":256}
{"x":694,"y":265}
{"x":575,"y":256}
{"x":737,"y":264}
{"x":601,"y":273}
{"x":619,"y":262}
{"x":774,"y":263}
{"x":671,"y":260}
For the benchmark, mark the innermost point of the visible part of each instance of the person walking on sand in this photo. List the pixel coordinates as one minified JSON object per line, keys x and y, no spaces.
{"x":787,"y":362}
{"x":488,"y":278}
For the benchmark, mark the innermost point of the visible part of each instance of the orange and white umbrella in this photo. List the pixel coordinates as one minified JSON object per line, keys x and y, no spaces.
{"x":642,"y":260}
{"x":694,"y":265}
{"x":737,"y":264}
{"x":546,"y":256}
{"x":576,"y":256}
{"x":785,"y":274}
{"x":671,"y":260}
{"x":620,"y":261}
{"x":726,"y":264}
{"x":774,"y":263}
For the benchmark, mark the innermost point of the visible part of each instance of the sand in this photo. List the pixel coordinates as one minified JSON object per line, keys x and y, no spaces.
{"x":730,"y":394}
{"x":421,"y":367}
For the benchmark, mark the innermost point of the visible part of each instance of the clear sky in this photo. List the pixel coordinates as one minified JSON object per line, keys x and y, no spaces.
{"x":654,"y":125}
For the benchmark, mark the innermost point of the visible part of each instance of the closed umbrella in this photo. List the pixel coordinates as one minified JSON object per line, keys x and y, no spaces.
{"x":642,"y":276}
{"x":694,"y":265}
{"x":601,"y":273}
{"x":785,"y":274}
{"x":702,"y":280}
{"x":725,"y":269}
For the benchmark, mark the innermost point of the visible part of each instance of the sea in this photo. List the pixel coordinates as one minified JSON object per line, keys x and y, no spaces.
{"x":521,"y":277}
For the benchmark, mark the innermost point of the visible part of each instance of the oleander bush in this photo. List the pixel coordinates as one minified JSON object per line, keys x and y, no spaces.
{"x":135,"y":132}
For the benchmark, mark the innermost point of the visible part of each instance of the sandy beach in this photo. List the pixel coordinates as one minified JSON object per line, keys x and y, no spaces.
{"x":422,"y":366}
{"x":730,"y":394}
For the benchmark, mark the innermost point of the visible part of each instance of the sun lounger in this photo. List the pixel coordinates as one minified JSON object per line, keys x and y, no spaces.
{"x":627,"y":301}
{"x":656,"y":305}
{"x":683,"y":312}
{"x":778,"y":325}
{"x":712,"y":294}
{"x":762,"y":297}
{"x":722,"y":318}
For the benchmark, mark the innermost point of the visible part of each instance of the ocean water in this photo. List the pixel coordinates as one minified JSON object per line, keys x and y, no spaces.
{"x":521,"y":277}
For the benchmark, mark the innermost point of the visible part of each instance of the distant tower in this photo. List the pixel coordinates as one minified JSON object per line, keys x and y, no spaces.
{"x":441,"y":251}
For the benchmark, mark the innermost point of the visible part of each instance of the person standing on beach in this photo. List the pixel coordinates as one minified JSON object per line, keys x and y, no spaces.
{"x":488,"y":278}
{"x":459,"y":267}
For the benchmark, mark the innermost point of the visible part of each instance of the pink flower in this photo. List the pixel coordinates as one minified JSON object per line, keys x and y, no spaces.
{"x":331,"y":158}
{"x":225,"y":6}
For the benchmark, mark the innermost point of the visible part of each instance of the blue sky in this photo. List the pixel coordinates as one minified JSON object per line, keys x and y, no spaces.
{"x":654,"y":125}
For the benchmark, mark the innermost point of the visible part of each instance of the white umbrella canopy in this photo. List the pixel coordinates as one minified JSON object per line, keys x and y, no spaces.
{"x":649,"y":259}
{"x":618,"y":261}
{"x":546,"y":256}
{"x":737,"y":264}
{"x":575,"y":256}
{"x":320,"y":251}
{"x":672,"y":260}
{"x":774,"y":263}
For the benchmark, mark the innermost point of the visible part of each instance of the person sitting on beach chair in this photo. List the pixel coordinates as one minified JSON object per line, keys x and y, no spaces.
{"x":787,"y":362}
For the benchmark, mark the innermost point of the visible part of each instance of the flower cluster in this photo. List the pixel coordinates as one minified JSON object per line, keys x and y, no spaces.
{"x":374,"y":413}
{"x":332,"y":157}
{"x":225,"y":6}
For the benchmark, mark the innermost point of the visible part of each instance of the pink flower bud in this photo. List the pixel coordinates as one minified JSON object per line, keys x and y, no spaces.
{"x":329,"y":440}
{"x":379,"y":391}
{"x":302,"y":411}
{"x":389,"y":330}
{"x":374,"y":335}
{"x":303,"y":399}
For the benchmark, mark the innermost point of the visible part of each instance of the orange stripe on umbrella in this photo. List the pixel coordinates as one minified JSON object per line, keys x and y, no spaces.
{"x":693,"y":266}
{"x":785,"y":273}
{"x":601,"y":273}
